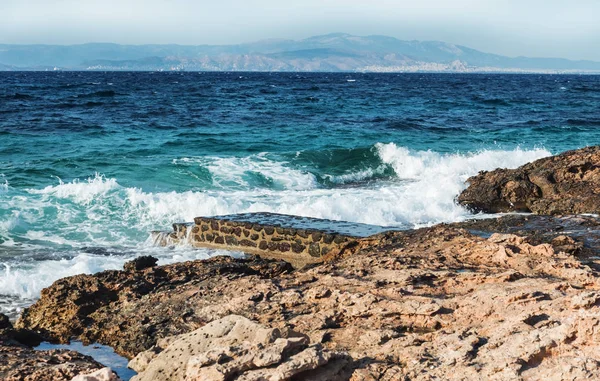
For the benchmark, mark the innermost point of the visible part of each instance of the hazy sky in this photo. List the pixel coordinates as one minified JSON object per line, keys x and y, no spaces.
{"x":551,"y":28}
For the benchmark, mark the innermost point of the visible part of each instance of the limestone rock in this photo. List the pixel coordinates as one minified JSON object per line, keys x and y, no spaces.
{"x":104,"y":374}
{"x":231,"y":347}
{"x":568,"y":183}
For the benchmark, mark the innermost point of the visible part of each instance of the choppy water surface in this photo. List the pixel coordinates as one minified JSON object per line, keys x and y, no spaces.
{"x":91,"y":162}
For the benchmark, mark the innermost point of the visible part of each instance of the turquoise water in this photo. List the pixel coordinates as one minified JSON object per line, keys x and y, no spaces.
{"x":91,"y":162}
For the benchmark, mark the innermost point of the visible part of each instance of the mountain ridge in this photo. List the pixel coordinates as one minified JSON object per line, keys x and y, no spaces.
{"x":329,"y":52}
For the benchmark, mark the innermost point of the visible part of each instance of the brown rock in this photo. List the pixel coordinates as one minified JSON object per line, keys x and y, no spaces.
{"x":140,"y":263}
{"x":314,"y":250}
{"x":568,"y":183}
{"x":298,"y":247}
{"x":102,"y":307}
{"x":248,"y":243}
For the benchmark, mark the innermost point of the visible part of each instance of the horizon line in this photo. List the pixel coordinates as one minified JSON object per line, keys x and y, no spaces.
{"x":290,"y":39}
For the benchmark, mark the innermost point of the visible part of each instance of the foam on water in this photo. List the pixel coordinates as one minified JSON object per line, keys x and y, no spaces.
{"x":82,"y":192}
{"x":357,"y":176}
{"x":100,"y":212}
{"x":230,"y":172}
{"x":428,"y":165}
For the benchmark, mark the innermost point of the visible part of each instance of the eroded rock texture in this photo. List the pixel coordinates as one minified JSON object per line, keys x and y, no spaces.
{"x":235,"y":347}
{"x":435,"y":303}
{"x":568,"y":183}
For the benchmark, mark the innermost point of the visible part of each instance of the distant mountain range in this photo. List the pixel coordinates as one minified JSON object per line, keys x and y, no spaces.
{"x":331,"y":53}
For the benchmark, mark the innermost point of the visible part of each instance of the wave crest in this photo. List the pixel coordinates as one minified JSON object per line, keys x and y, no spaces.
{"x":252,"y":172}
{"x":82,"y":192}
{"x":428,"y":165}
{"x":101,"y":211}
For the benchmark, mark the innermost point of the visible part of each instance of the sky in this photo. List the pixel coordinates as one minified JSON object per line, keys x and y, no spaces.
{"x":534,"y":28}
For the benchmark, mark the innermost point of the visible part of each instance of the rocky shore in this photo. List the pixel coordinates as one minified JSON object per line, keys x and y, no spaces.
{"x":510,"y":298}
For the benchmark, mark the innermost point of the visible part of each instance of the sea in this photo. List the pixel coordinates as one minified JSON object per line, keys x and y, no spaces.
{"x":91,"y":162}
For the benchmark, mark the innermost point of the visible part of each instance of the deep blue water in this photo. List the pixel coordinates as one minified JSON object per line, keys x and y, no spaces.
{"x":91,"y":162}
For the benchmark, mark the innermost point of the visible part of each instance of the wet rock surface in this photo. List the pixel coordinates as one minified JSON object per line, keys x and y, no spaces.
{"x":20,"y":362}
{"x":140,"y":263}
{"x":575,"y":234}
{"x":568,"y":183}
{"x":508,"y":303}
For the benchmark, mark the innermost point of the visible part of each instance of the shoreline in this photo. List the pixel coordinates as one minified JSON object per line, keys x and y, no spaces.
{"x":510,"y":298}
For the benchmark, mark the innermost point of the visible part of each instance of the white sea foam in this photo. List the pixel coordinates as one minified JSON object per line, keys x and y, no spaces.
{"x":356,"y":176}
{"x":427,"y":165}
{"x":229,"y":172}
{"x":99,"y":211}
{"x":82,"y":192}
{"x":45,"y":237}
{"x":434,"y":180}
{"x":423,"y":194}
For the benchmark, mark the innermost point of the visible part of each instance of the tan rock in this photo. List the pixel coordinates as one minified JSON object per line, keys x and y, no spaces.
{"x":230,"y":346}
{"x":104,"y":374}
